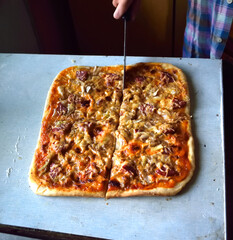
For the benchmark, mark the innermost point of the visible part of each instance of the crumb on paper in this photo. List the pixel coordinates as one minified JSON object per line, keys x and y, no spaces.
{"x":204,"y":145}
{"x":17,"y":148}
{"x":8,"y":171}
{"x":217,"y":115}
{"x":73,"y":60}
{"x":169,"y":199}
{"x":17,"y":145}
{"x":106,"y":203}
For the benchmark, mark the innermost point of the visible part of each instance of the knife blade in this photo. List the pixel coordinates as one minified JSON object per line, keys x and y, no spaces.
{"x":125,"y":19}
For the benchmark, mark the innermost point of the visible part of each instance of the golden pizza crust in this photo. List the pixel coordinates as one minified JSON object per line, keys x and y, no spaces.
{"x":53,"y":192}
{"x":140,"y":192}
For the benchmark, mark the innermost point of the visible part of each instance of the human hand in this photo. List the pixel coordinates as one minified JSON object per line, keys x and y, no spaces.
{"x":122,"y":6}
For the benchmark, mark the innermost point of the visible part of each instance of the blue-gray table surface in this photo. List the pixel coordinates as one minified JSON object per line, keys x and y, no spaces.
{"x":198,"y":212}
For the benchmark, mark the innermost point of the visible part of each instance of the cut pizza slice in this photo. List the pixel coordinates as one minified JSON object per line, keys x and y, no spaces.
{"x":154,"y":149}
{"x":76,"y":141}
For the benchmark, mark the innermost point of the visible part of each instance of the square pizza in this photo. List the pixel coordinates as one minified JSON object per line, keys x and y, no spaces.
{"x":99,"y":140}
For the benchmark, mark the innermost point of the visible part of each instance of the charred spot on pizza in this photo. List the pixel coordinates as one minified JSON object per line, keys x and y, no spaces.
{"x":166,"y":171}
{"x":61,"y":109}
{"x":88,"y":127}
{"x":75,"y":177}
{"x":100,"y":101}
{"x":90,"y":180}
{"x":44,"y":147}
{"x":166,"y":78}
{"x":85,"y":102}
{"x":82,"y":75}
{"x":131,"y":169}
{"x":131,"y":98}
{"x":140,"y":79}
{"x":94,"y":130}
{"x":71,"y":98}
{"x":178,"y":103}
{"x":114,"y":183}
{"x":136,"y":130}
{"x":146,"y":108}
{"x":68,"y":182}
{"x":78,"y":150}
{"x":110,"y":121}
{"x":167,"y":150}
{"x":54,"y":170}
{"x":153,"y":71}
{"x":66,"y":147}
{"x":169,"y":131}
{"x":46,"y":163}
{"x":134,"y":148}
{"x":97,"y":131}
{"x":134,"y":115}
{"x":111,"y":78}
{"x":144,"y":67}
{"x":62,"y":128}
{"x":108,"y":98}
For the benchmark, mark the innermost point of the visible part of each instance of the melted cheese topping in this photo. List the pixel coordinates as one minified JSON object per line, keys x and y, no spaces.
{"x":88,"y":129}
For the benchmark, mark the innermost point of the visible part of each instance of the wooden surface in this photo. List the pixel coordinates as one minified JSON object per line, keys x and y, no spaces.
{"x":41,"y":234}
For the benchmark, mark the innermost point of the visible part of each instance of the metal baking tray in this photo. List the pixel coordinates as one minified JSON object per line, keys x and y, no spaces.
{"x":198,"y":212}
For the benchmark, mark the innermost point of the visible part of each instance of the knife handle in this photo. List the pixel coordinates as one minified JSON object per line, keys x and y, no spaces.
{"x":126,"y":15}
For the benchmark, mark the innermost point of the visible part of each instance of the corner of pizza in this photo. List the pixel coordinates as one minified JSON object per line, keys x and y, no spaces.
{"x":99,"y":141}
